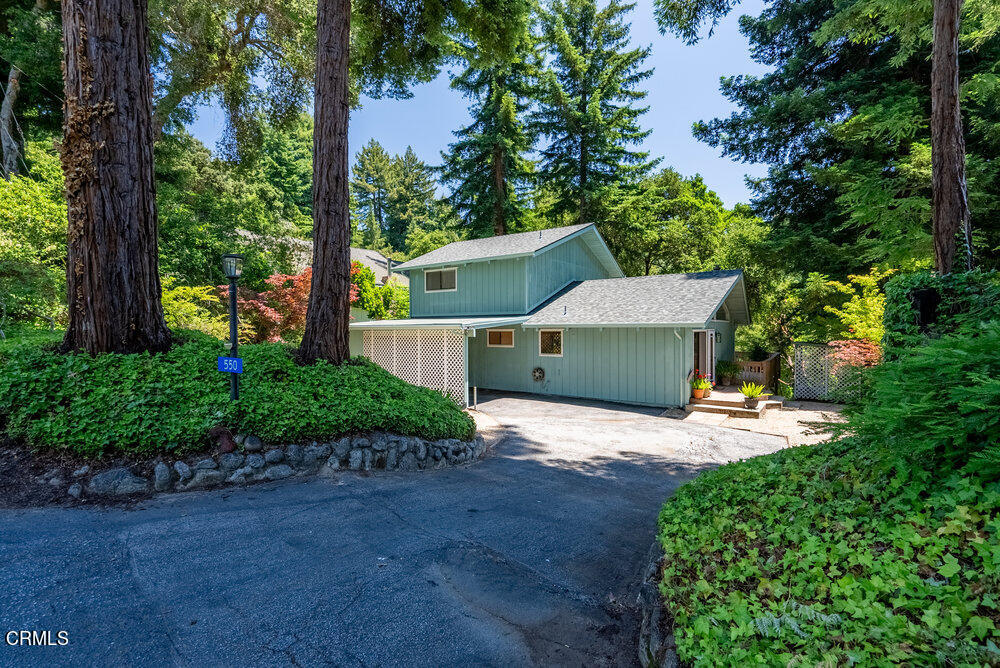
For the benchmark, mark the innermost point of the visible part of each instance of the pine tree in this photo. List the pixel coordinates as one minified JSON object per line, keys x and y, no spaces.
{"x":410,"y":198}
{"x":371,"y":179}
{"x":586,"y":104}
{"x":486,"y":166}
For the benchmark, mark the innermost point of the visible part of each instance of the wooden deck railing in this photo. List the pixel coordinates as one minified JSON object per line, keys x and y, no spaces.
{"x":765,"y":373}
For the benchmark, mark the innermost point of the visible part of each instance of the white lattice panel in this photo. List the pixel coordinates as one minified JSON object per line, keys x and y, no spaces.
{"x":816,"y":375}
{"x":433,"y":358}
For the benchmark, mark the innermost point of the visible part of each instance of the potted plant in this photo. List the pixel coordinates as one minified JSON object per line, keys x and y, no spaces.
{"x":727,"y":371}
{"x":699,"y":384}
{"x":752,"y":394}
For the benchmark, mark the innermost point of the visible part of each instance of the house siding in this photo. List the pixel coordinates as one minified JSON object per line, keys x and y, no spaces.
{"x":550,"y":271}
{"x":483,"y":288}
{"x":725,"y":347}
{"x":646,"y":365}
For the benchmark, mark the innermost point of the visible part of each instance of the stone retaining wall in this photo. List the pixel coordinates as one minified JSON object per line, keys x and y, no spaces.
{"x":253,"y":461}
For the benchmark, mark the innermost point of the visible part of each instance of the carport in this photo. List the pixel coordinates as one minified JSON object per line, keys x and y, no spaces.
{"x":432,"y":352}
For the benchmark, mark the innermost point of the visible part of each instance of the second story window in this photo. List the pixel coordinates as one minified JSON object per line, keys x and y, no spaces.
{"x":440,"y":280}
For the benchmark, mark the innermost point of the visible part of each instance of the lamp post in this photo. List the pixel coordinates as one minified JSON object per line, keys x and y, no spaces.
{"x":232,"y":265}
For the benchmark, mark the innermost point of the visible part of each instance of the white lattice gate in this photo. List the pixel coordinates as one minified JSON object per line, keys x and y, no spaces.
{"x":817,"y":375}
{"x":434,"y":358}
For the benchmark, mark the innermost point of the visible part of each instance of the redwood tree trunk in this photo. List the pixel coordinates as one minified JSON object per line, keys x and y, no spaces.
{"x":9,"y":142}
{"x":107,"y":155}
{"x":326,"y":335}
{"x":950,"y":202}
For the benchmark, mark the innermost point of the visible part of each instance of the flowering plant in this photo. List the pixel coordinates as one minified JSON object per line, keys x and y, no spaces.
{"x":701,"y":381}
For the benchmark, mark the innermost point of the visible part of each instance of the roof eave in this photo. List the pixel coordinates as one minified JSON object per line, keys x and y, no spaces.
{"x":457,"y":263}
{"x":592,"y":325}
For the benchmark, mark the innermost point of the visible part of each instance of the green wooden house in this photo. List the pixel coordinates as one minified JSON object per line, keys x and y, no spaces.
{"x":551,"y":312}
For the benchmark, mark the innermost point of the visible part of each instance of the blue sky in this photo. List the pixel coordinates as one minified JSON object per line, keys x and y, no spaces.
{"x":684,"y":88}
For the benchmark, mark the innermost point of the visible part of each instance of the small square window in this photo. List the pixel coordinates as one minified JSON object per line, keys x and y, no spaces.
{"x":500,"y":338}
{"x":550,"y":342}
{"x":440,"y":280}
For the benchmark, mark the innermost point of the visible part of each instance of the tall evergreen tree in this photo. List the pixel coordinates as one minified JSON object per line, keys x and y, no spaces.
{"x":411,"y":198}
{"x":371,"y":179}
{"x":487,"y":167}
{"x":390,"y":44}
{"x":112,"y":271}
{"x":843,"y":119}
{"x":587,"y":104}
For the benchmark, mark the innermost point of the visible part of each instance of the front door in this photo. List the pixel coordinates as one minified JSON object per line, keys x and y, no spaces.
{"x":704,"y":351}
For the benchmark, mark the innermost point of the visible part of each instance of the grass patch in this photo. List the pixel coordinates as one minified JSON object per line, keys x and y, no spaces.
{"x":168,"y":402}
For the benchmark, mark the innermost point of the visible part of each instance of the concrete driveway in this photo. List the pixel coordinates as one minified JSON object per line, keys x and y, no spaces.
{"x":531,"y":556}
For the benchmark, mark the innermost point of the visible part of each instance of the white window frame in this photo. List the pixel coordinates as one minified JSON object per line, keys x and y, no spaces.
{"x":562,"y":343}
{"x":427,"y":271}
{"x":499,"y":345}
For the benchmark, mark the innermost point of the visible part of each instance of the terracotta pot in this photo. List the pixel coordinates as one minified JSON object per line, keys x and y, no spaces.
{"x":751,"y":402}
{"x":708,"y":393}
{"x":697,"y":394}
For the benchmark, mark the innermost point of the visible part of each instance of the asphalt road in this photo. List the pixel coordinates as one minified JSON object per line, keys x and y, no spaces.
{"x":531,"y":556}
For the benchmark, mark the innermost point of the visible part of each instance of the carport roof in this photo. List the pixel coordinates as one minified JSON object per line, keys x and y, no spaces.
{"x":465,"y":324}
{"x":665,"y":300}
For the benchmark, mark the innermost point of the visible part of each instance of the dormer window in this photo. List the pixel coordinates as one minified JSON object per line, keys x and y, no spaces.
{"x":440,"y":280}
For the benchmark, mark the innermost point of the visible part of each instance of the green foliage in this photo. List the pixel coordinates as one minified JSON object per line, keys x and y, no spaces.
{"x":964,"y":301}
{"x":256,"y":60}
{"x":487,"y":167}
{"x":31,"y":40}
{"x":728,"y":369}
{"x":701,"y":384}
{"x":935,"y":405}
{"x":195,"y":308}
{"x":141,"y":404}
{"x":666,"y":223}
{"x":862,"y":314}
{"x":33,"y":239}
{"x":841,"y":117}
{"x":421,"y":241}
{"x":393,"y":195}
{"x":208,"y":207}
{"x":586,"y":105}
{"x":752,"y":390}
{"x":831,"y":555}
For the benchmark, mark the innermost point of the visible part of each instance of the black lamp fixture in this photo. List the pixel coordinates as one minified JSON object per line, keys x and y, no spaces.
{"x":232,"y":265}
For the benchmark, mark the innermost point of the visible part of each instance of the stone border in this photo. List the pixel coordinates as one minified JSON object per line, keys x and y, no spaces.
{"x":656,"y":639}
{"x":254,"y":462}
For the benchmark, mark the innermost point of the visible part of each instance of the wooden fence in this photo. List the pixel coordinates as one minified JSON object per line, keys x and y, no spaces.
{"x":765,"y":372}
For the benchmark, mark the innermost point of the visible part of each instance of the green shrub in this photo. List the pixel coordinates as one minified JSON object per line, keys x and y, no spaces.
{"x":833,"y":555}
{"x":142,"y":404}
{"x":960,"y":303}
{"x":936,"y":405}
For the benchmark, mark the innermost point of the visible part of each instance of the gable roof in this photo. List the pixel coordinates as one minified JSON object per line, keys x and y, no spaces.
{"x":521,"y":244}
{"x":677,"y":300}
{"x":379,"y":264}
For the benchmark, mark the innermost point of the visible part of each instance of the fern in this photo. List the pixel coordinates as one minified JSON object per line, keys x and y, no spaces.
{"x":770,"y":625}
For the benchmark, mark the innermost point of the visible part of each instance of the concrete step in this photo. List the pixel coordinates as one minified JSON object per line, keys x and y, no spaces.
{"x":731,"y":411}
{"x":730,"y":401}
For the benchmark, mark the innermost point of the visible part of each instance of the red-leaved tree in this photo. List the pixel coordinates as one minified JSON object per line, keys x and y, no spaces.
{"x":279,"y":313}
{"x":855,"y":353}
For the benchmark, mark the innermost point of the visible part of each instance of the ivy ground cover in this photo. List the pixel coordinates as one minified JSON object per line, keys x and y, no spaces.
{"x":169,"y":402}
{"x":829,"y":555}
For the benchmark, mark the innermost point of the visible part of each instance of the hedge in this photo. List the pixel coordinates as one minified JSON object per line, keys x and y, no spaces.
{"x":953,"y":303}
{"x":168,"y":402}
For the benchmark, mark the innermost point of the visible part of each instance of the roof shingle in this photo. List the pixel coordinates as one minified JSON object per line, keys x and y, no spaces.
{"x":522,"y":243}
{"x":664,"y":299}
